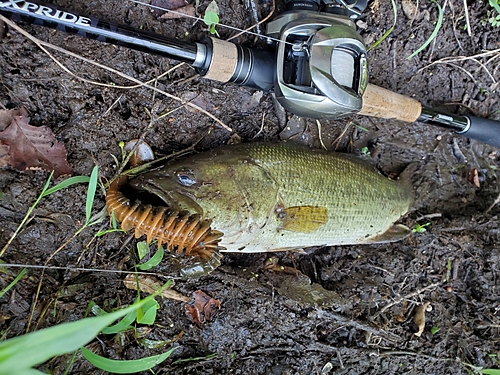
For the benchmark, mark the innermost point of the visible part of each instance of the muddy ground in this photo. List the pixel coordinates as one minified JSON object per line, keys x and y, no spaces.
{"x":363,"y":324}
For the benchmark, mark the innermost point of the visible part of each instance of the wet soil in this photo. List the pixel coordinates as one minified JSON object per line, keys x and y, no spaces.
{"x":356,"y":316}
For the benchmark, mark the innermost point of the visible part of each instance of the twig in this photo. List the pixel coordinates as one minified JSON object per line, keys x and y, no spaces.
{"x":466,"y":10}
{"x":462,"y":69}
{"x":450,"y":59}
{"x":495,"y":202}
{"x":429,"y":216}
{"x":41,"y":44}
{"x":356,"y":324}
{"x":318,"y":124}
{"x":113,"y":105}
{"x":337,"y":140}
{"x":261,"y":126}
{"x":408,"y":296}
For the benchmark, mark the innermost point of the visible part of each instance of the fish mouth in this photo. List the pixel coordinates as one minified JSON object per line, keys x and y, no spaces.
{"x":176,"y":199}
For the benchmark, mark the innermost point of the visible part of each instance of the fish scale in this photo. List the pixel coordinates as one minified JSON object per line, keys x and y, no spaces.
{"x":271,"y":197}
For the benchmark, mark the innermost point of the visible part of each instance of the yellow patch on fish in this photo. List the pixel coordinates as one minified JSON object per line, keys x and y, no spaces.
{"x":303,"y":218}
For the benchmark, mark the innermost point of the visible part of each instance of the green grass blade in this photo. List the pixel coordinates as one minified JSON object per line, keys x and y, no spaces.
{"x":154,"y":261}
{"x":14,"y":282}
{"x":23,"y":352}
{"x":64,"y":184}
{"x":104,"y":232}
{"x":91,"y":193}
{"x":496,"y":5}
{"x":388,"y":32}
{"x":490,"y":371}
{"x":434,"y":32}
{"x":128,"y":366}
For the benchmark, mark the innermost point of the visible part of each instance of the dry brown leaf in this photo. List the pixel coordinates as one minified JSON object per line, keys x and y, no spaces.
{"x":419,"y":318}
{"x":410,"y":9}
{"x":201,"y":308}
{"x":150,"y":285}
{"x":32,"y":147}
{"x":6,"y":116}
{"x":473,"y":177}
{"x":400,"y":317}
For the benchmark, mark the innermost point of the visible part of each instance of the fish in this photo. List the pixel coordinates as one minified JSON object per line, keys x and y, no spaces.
{"x":274,"y":197}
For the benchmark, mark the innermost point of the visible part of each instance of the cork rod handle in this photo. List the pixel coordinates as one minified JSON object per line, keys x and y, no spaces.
{"x":382,"y":103}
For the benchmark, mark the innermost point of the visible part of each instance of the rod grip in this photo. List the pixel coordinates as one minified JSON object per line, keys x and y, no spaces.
{"x":484,"y":130}
{"x":383,"y":103}
{"x":228,"y":62}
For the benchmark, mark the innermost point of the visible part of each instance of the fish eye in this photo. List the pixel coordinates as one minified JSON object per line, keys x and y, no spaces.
{"x":185,"y":178}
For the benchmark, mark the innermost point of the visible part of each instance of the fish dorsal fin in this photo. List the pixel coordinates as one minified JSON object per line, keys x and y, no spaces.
{"x":394,"y":233}
{"x":304,"y":219}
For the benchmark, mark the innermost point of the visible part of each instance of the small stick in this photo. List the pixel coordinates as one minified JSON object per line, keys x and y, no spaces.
{"x":319,"y":133}
{"x":466,"y":9}
{"x":408,"y":296}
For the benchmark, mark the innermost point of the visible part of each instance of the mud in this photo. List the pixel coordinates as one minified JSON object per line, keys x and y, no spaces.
{"x":357,"y":315}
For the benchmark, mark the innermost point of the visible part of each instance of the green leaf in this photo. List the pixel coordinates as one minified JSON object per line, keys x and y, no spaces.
{"x":14,"y":282}
{"x":434,"y":330}
{"x":490,"y":371}
{"x":30,"y":371}
{"x":142,"y":249}
{"x":64,"y":184}
{"x":420,"y":228}
{"x":127,"y":366}
{"x":91,"y":193}
{"x":434,"y":32}
{"x":149,"y":315}
{"x":154,"y":261}
{"x":23,"y":352}
{"x":211,"y":19}
{"x":212,"y":8}
{"x":122,"y":325}
{"x":96,"y":309}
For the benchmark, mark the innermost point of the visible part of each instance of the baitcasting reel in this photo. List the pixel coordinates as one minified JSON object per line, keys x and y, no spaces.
{"x":321,"y":69}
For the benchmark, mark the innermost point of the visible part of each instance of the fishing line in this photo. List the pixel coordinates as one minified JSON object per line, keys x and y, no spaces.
{"x":83,"y":269}
{"x":201,"y":19}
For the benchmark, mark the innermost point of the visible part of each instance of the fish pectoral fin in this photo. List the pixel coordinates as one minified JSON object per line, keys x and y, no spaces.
{"x":394,"y":233}
{"x":303,"y":218}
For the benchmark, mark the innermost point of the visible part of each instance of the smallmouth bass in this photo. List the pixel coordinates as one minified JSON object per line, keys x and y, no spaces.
{"x":273,"y":197}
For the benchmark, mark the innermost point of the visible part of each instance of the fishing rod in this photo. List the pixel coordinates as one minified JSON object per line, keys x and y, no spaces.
{"x":318,"y":67}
